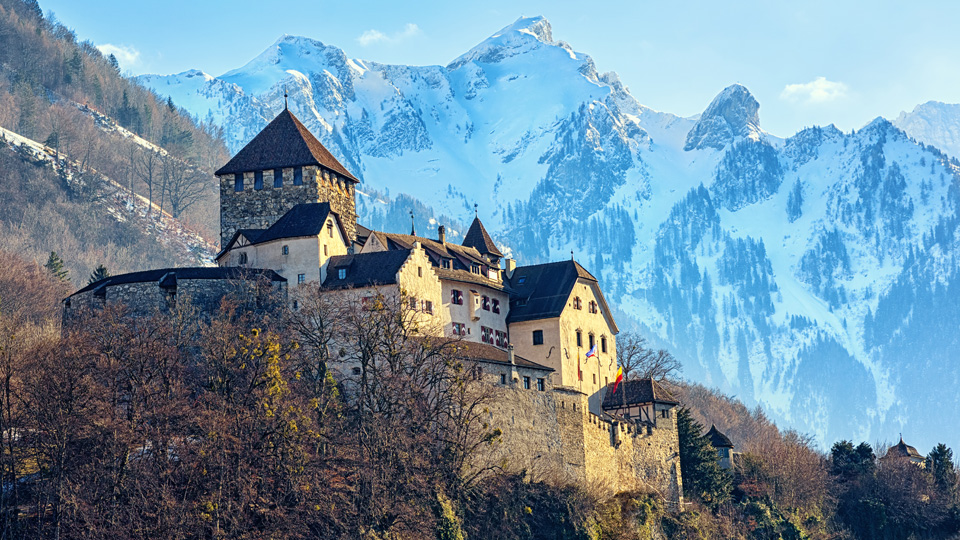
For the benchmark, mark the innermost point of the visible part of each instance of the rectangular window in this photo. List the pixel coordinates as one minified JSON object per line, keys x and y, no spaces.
{"x":579,"y":339}
{"x":456,"y":297}
{"x":258,"y":180}
{"x":285,"y":250}
{"x":594,"y":378}
{"x":541,"y":385}
{"x":459,"y":329}
{"x":475,"y":268}
{"x":503,"y":378}
{"x":243,"y":258}
{"x":496,"y":306}
{"x":278,"y":178}
{"x":593,"y":307}
{"x":538,"y":337}
{"x":603,"y":343}
{"x":413,"y":302}
{"x":238,"y":182}
{"x":325,"y":249}
{"x":419,"y":271}
{"x":298,"y":176}
{"x":590,"y":337}
{"x":486,"y":303}
{"x":301,"y":278}
{"x":428,"y":307}
{"x":330,"y":228}
{"x":342,"y":273}
{"x":501,"y":340}
{"x":526,"y":383}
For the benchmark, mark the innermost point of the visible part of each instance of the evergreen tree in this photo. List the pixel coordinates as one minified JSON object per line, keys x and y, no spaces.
{"x":851,"y":462}
{"x":55,"y":266}
{"x":114,"y":62}
{"x":940,"y":464}
{"x":99,"y":273}
{"x":702,"y":476}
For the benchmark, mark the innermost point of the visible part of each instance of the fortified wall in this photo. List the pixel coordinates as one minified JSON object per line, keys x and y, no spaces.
{"x":553,"y":436}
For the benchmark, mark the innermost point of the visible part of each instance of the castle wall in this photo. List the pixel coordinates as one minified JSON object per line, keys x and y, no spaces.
{"x":259,"y":208}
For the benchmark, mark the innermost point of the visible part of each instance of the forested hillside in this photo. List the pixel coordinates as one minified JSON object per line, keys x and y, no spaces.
{"x":103,"y":141}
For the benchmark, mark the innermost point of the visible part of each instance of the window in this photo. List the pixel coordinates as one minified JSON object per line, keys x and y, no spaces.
{"x":576,"y":302}
{"x":477,"y":373}
{"x":285,"y":250}
{"x":301,"y":278}
{"x":486,"y":335}
{"x":459,"y":329}
{"x":496,"y":306}
{"x":296,"y":305}
{"x":594,"y":378}
{"x":538,"y":337}
{"x":486,"y":303}
{"x":330,"y":228}
{"x":298,"y":176}
{"x":419,"y":271}
{"x":541,"y":385}
{"x":592,"y":342}
{"x":413,"y":303}
{"x":579,"y":338}
{"x":521,"y":279}
{"x":503,"y":378}
{"x":592,"y":307}
{"x":278,"y":178}
{"x":243,"y":258}
{"x":603,"y":344}
{"x":258,"y":180}
{"x":325,"y":249}
{"x":475,"y":268}
{"x":428,"y":307}
{"x":238,"y":182}
{"x":665,"y":413}
{"x":356,"y":371}
{"x":526,"y":383}
{"x":456,"y":297}
{"x":342,"y":273}
{"x":501,"y":339}
{"x":445,"y":263}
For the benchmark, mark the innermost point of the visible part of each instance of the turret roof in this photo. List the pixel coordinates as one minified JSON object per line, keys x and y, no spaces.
{"x":285,"y":142}
{"x":717,"y":439}
{"x":478,"y":238}
{"x":638,"y":391}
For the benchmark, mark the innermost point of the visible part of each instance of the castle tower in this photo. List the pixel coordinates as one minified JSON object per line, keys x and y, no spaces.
{"x":284,"y":165}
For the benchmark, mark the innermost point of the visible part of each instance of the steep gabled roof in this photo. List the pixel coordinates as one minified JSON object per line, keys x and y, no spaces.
{"x":197,"y":272}
{"x":638,"y":391}
{"x":365,"y":269}
{"x":478,"y":238}
{"x":717,"y":439}
{"x":304,"y":219}
{"x":540,"y":291}
{"x":285,"y":142}
{"x":250,"y":234}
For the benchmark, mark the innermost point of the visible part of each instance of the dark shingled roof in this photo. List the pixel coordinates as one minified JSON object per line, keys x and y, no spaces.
{"x":717,"y":439}
{"x":285,"y":142}
{"x":483,"y":352}
{"x":365,"y":269}
{"x":199,"y":272}
{"x":637,"y":391}
{"x":478,"y":238}
{"x":304,"y":219}
{"x":541,"y":290}
{"x":903,"y":450}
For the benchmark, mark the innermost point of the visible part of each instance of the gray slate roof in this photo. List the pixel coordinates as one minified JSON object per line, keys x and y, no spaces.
{"x":540,"y":291}
{"x":304,"y":219}
{"x":197,"y":272}
{"x":365,"y":269}
{"x":285,"y":142}
{"x":637,"y":391}
{"x":482,"y":352}
{"x":717,"y":439}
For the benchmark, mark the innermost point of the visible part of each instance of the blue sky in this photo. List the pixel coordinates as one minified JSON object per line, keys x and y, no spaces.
{"x":809,"y":62}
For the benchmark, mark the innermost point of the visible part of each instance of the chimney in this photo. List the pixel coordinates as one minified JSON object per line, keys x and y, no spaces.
{"x":513,"y":360}
{"x":511,"y":265}
{"x":442,"y":232}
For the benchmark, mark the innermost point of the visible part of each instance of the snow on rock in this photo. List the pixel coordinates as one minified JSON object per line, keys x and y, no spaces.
{"x":733,"y":113}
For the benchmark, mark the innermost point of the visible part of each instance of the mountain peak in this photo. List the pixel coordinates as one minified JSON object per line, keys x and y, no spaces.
{"x":733,"y":113}
{"x":524,"y":34}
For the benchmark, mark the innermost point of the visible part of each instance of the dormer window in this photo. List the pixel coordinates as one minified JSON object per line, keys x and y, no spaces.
{"x":475,"y":268}
{"x":258,"y":180}
{"x":238,"y":182}
{"x":278,"y":178}
{"x":298,"y":176}
{"x":342,"y":273}
{"x":521,"y":279}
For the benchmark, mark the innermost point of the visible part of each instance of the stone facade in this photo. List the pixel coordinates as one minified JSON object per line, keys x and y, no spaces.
{"x":253,"y":208}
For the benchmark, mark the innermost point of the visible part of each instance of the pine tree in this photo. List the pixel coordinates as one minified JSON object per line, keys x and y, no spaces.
{"x":702,"y":476}
{"x":940,"y":464}
{"x":114,"y":62}
{"x":55,"y":266}
{"x":99,"y":273}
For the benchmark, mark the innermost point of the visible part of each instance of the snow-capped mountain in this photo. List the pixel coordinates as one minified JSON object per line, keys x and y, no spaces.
{"x":933,"y":123}
{"x":816,"y":275}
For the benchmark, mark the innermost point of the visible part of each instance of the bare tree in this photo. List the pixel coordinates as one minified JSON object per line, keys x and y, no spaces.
{"x":146,"y":165}
{"x":639,"y":361}
{"x":182,"y":184}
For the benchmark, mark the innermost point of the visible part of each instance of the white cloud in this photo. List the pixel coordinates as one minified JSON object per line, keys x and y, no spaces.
{"x":373,"y":36}
{"x":819,"y":90}
{"x":128,"y":56}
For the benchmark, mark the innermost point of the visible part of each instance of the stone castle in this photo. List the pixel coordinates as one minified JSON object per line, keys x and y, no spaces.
{"x":542,"y":335}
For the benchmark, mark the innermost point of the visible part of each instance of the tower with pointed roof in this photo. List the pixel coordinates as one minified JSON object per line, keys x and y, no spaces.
{"x":284,"y":165}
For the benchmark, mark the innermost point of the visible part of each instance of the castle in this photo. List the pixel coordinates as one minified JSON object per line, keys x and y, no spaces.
{"x":542,"y":335}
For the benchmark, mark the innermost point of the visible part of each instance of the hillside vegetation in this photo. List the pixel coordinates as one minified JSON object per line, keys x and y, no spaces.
{"x":104,"y":135}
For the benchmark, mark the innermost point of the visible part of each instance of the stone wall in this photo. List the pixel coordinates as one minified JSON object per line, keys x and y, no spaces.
{"x":260,"y":208}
